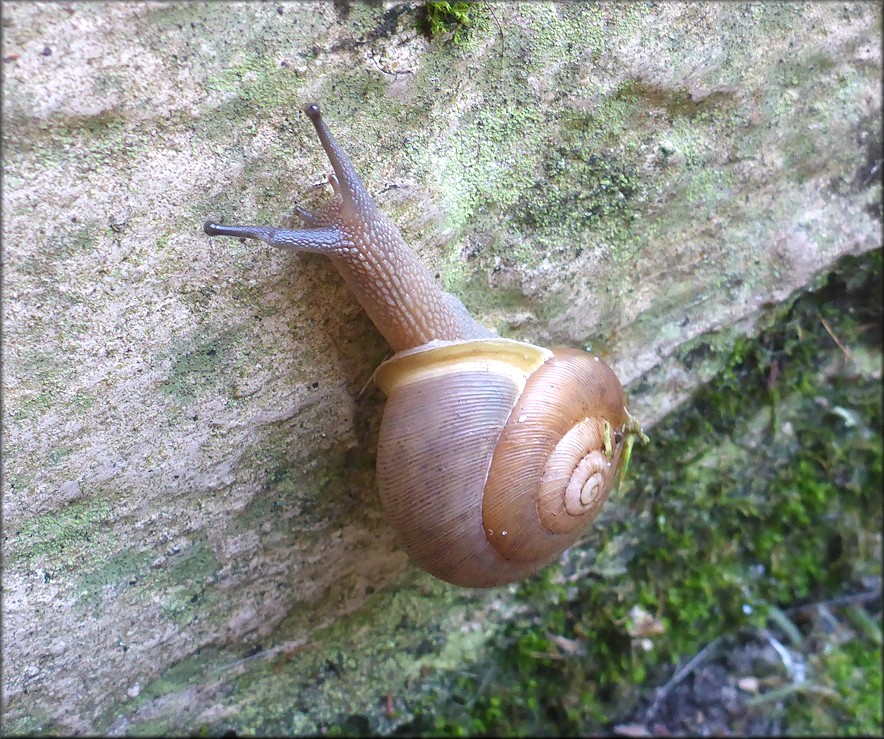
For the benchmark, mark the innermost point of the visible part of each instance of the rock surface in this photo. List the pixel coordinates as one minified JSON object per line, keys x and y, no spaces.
{"x":189,"y":425}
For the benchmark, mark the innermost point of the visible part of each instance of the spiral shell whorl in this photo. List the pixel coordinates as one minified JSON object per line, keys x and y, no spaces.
{"x":578,"y":464}
{"x":553,"y":467}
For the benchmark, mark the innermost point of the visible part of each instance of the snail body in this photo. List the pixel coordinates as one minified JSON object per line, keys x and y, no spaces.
{"x":493,"y":455}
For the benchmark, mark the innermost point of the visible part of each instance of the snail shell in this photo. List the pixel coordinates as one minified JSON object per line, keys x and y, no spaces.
{"x":510,"y":465}
{"x":494,"y":455}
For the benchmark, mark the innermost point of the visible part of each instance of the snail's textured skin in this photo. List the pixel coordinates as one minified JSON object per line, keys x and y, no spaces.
{"x":397,"y":291}
{"x":493,"y":455}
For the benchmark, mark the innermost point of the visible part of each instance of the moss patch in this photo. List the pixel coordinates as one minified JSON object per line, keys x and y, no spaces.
{"x":195,"y":372}
{"x":446,"y":19}
{"x":331,"y":681}
{"x":62,"y":540}
{"x":186,"y":584}
{"x":183,"y":584}
{"x":583,"y":193}
{"x":120,"y":571}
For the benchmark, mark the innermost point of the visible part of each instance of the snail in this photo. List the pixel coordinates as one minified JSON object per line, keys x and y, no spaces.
{"x":493,"y":455}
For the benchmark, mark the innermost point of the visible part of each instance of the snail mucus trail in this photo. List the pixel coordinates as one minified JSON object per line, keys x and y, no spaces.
{"x":493,"y":455}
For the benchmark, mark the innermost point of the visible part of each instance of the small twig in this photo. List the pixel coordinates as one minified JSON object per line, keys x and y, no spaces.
{"x":502,"y":37}
{"x":692,"y":665}
{"x":288,"y":648}
{"x":836,"y":339}
{"x":370,"y":379}
{"x":843,"y":600}
{"x":365,"y":387}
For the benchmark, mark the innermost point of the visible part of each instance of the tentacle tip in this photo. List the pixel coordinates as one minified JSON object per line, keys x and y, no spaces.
{"x":210,"y":228}
{"x":312,"y":111}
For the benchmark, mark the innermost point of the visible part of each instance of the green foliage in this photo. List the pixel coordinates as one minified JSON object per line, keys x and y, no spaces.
{"x":844,"y":697}
{"x":762,"y":493}
{"x":441,"y":18}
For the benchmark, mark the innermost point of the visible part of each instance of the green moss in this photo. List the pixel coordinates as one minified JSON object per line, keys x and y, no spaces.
{"x":48,"y":376}
{"x":183,"y":584}
{"x":41,"y":363}
{"x":845,"y":697}
{"x":579,"y":191}
{"x":46,"y":266}
{"x":78,"y":145}
{"x":120,"y":571}
{"x":198,"y":370}
{"x":574,"y":197}
{"x":38,"y":723}
{"x":310,"y":490}
{"x":440,"y":18}
{"x":764,"y":491}
{"x":63,"y":540}
{"x":174,"y":680}
{"x":260,"y":83}
{"x":331,"y":682}
{"x":186,"y":584}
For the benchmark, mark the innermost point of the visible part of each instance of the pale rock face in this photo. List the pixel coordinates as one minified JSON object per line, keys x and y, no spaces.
{"x":188,"y":441}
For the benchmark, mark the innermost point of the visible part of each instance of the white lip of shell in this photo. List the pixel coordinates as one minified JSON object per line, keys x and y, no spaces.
{"x":515,"y":359}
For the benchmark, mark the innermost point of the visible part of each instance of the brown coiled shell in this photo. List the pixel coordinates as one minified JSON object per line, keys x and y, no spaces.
{"x":494,"y":455}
